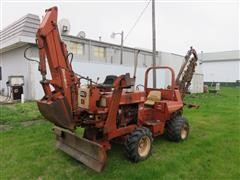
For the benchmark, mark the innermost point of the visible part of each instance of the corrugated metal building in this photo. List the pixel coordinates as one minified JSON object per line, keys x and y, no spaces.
{"x":91,"y":58}
{"x":223,"y":67}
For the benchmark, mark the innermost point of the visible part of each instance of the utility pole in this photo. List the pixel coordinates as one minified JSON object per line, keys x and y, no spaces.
{"x":121,"y":57}
{"x":121,"y":51}
{"x":154,"y":43}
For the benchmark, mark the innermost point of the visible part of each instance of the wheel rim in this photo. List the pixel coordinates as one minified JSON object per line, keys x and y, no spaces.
{"x":184,"y":132}
{"x":144,"y":146}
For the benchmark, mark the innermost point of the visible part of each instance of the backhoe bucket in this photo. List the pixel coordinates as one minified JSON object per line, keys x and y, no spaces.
{"x":88,"y":152}
{"x":57,"y":112}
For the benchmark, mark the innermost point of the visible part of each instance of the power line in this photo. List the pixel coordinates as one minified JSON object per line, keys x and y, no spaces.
{"x":137,"y":20}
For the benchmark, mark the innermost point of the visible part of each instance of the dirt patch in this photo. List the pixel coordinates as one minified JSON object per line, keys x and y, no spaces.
{"x":5,"y":127}
{"x":30,"y":123}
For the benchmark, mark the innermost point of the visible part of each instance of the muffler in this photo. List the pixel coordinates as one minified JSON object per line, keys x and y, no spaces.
{"x":88,"y":152}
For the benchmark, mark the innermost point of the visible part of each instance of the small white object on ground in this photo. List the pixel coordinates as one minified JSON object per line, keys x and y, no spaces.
{"x":22,"y":98}
{"x":217,"y":86}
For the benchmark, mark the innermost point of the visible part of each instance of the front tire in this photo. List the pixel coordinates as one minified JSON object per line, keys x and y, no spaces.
{"x":139,"y":144}
{"x":177,"y":129}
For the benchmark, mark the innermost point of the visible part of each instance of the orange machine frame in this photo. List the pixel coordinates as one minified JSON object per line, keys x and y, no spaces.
{"x":60,"y":106}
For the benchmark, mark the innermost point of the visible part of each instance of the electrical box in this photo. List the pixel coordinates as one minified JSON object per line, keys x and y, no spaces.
{"x":16,"y":84}
{"x":17,"y":91}
{"x":15,"y":80}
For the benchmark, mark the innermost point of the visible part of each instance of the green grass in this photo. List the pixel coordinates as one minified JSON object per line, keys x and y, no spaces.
{"x":19,"y":112}
{"x":212,"y":150}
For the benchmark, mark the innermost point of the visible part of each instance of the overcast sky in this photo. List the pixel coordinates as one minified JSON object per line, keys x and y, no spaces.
{"x":207,"y":25}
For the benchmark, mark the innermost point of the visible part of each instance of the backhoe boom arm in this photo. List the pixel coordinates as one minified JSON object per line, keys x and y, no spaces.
{"x":64,"y":81}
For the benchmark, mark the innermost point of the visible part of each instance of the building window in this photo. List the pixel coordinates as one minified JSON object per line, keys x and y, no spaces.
{"x":75,"y":48}
{"x":99,"y":52}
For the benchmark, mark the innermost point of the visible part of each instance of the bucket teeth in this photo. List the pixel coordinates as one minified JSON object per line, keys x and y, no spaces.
{"x":88,"y":152}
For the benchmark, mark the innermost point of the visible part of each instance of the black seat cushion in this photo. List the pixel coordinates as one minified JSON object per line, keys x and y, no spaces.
{"x":109,"y":81}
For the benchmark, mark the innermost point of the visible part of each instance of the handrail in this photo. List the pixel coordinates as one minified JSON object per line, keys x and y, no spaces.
{"x":160,"y":67}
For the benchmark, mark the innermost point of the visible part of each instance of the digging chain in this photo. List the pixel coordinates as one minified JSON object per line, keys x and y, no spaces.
{"x":186,"y":74}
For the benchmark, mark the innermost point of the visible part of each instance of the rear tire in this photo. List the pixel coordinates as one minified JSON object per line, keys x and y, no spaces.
{"x":139,"y":144}
{"x":177,"y":129}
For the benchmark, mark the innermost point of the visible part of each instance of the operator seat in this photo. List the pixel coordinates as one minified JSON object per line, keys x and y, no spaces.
{"x":108,"y":82}
{"x":153,"y":96}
